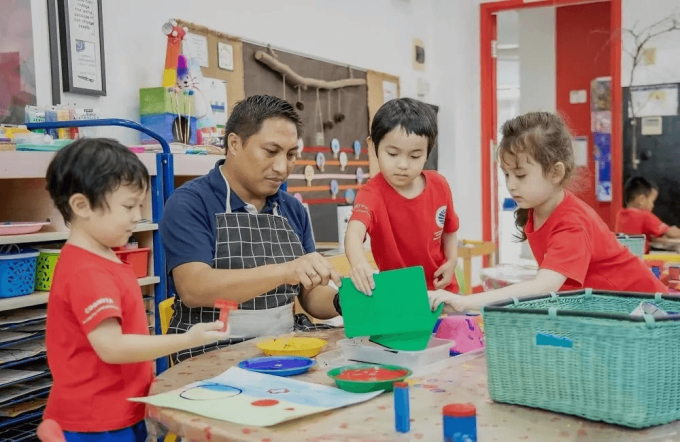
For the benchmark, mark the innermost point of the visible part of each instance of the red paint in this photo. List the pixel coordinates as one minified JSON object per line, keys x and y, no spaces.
{"x":246,"y":431}
{"x":430,"y":387}
{"x":207,"y":433}
{"x":290,"y":409}
{"x":265,"y":403}
{"x":371,"y":374}
{"x":488,"y":13}
{"x":582,"y":35}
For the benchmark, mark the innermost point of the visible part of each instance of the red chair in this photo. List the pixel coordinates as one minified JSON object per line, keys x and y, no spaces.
{"x":50,"y":431}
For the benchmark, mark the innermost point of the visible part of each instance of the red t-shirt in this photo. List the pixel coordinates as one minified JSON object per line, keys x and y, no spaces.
{"x":89,"y":395}
{"x":640,"y":222}
{"x":575,"y":242}
{"x":408,"y":232}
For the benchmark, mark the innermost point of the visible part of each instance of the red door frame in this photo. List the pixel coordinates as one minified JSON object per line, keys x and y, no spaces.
{"x":489,"y":105}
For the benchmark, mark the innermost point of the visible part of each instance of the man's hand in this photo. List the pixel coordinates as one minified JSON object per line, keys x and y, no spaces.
{"x":310,"y":270}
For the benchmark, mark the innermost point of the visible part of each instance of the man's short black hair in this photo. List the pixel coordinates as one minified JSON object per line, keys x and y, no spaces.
{"x":247,"y":116}
{"x":94,"y":167}
{"x":414,"y":116}
{"x":637,"y":186}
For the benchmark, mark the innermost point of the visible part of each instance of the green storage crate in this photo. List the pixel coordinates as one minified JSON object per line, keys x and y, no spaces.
{"x":635,"y":243}
{"x":157,"y":100}
{"x":47,"y":261}
{"x":582,"y":353}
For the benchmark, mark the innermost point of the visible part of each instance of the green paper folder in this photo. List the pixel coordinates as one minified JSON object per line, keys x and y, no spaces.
{"x":398,"y":314}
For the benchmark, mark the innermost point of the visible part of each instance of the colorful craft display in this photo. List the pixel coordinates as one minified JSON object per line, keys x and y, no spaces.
{"x":309,"y":175}
{"x":360,"y":175}
{"x":334,"y":189}
{"x":343,"y":161}
{"x":349,"y":196}
{"x":357,"y":149}
{"x":175,"y":35}
{"x":320,"y":161}
{"x":335,"y":147}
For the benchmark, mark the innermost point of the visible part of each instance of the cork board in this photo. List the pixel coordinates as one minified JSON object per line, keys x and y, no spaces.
{"x":234,"y":79}
{"x":376,"y":98}
{"x":260,"y":79}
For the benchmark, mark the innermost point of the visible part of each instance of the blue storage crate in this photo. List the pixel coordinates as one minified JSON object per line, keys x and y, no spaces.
{"x":17,"y":271}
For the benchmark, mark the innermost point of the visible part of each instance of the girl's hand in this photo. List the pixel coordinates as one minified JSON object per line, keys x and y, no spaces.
{"x":362,"y":277}
{"x":444,"y":274}
{"x":456,"y":302}
{"x":205,"y":333}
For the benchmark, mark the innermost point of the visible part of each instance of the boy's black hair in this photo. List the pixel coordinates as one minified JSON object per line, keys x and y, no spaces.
{"x":637,"y":186}
{"x":414,"y":116}
{"x":247,"y":116}
{"x":94,"y":167}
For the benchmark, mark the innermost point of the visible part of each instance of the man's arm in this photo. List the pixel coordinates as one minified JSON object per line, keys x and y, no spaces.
{"x":199,"y":285}
{"x":318,"y":301}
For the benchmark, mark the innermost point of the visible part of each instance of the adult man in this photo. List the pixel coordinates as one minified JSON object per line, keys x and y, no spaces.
{"x":233,"y":234}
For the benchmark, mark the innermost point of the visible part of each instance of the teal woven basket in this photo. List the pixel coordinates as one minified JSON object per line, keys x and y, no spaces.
{"x":582,"y":353}
{"x":635,"y":243}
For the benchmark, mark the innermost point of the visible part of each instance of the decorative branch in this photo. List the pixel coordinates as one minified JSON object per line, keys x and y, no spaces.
{"x":296,"y":80}
{"x":640,"y":38}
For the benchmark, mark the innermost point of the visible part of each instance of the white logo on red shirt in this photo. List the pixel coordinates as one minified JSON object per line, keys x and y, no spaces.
{"x":97,"y":303}
{"x":440,"y":217}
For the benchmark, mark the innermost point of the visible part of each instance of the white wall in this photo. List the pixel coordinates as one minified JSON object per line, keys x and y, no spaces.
{"x":537,"y":59}
{"x":638,"y":15}
{"x":374,"y":34}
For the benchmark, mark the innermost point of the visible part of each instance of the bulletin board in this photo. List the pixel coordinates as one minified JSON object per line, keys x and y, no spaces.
{"x":381,"y":88}
{"x":233,"y":78}
{"x":348,"y":101}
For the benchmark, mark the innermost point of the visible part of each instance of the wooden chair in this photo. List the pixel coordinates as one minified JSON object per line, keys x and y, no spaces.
{"x":468,"y":250}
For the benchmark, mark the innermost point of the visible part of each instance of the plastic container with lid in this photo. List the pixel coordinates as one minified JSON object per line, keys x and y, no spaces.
{"x":364,"y":351}
{"x":460,"y":423}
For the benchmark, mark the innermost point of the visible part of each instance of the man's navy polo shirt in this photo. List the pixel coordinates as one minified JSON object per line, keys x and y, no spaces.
{"x":188,"y":224}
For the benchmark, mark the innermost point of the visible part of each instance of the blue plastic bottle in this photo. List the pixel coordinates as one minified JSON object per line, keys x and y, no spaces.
{"x":402,"y":412}
{"x":460,"y":423}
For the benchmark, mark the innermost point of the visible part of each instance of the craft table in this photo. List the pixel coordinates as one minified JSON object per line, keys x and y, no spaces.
{"x":373,"y":421}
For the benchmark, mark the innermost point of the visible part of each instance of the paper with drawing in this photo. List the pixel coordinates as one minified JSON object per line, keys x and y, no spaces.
{"x":248,"y":398}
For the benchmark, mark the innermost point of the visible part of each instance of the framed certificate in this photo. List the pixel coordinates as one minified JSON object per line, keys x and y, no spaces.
{"x":82,"y":46}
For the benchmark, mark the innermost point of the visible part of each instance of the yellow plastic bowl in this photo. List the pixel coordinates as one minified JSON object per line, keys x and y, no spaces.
{"x":308,"y":347}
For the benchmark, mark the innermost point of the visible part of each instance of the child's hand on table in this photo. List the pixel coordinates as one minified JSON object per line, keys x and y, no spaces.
{"x":456,"y":302}
{"x":362,"y":278}
{"x":444,"y":275}
{"x":205,"y":333}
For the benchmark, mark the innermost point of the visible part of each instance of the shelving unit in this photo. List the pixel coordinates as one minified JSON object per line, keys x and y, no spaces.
{"x":24,"y":198}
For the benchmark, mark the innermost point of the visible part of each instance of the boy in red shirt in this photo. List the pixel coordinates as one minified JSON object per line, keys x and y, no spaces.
{"x":98,"y":344}
{"x":407,"y":211}
{"x":637,"y":217}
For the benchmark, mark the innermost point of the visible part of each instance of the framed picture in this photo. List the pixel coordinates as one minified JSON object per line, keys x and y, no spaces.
{"x":82,"y":46}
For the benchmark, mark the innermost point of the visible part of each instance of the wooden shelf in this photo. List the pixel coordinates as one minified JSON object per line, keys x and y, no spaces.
{"x":58,"y":236}
{"x":36,"y":298}
{"x":18,"y":164}
{"x":149,"y":280}
{"x":194,"y":165}
{"x":39,"y":298}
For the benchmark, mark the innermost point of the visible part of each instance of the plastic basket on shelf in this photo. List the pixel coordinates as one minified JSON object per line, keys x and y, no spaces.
{"x":635,"y":243}
{"x":17,"y":271}
{"x":582,"y":353}
{"x":137,"y":258}
{"x":45,"y":264}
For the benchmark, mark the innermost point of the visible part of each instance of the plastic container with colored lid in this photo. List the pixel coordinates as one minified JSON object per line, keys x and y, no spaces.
{"x":459,"y":410}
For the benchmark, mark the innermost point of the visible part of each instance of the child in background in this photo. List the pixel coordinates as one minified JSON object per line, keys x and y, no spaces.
{"x":574,"y":248}
{"x":407,"y":211}
{"x":637,"y":218}
{"x":98,"y":344}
